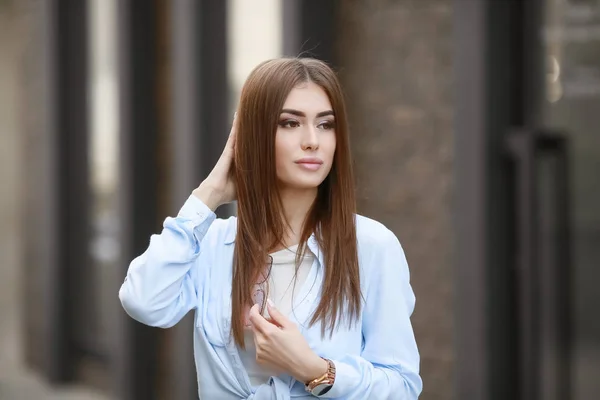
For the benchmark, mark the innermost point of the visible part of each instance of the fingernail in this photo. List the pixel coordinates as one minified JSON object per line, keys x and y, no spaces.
{"x":271,"y":303}
{"x":235,"y":115}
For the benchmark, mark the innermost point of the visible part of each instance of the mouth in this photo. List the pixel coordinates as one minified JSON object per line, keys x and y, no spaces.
{"x":310,"y":163}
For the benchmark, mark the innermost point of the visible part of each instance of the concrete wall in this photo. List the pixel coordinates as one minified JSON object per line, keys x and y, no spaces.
{"x":11,"y":52}
{"x":397,"y":58}
{"x":16,"y":114}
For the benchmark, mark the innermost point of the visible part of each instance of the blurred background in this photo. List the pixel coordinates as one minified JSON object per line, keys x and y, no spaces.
{"x":476,"y":137}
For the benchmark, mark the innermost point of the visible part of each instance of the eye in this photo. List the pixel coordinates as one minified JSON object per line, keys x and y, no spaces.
{"x":327,"y":125}
{"x":289,"y":123}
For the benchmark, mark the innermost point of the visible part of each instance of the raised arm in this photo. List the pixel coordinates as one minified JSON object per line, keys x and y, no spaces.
{"x":162,"y":284}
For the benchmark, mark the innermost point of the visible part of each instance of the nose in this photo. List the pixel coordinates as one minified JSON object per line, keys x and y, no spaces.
{"x":310,"y":139}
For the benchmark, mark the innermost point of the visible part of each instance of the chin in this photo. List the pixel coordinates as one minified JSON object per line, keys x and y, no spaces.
{"x":302,"y":184}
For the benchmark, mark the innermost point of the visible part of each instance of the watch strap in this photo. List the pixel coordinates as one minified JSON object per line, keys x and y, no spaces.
{"x":327,"y":379}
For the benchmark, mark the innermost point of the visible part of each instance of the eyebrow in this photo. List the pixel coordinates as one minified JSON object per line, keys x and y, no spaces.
{"x":301,"y":114}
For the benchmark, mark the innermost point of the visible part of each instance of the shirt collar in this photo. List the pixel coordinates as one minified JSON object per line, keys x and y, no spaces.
{"x":312,"y":243}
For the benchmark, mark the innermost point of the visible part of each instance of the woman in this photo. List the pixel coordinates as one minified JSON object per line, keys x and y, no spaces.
{"x":298,"y":296}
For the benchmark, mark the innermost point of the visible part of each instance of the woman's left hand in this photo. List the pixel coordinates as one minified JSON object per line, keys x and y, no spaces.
{"x":281,"y":346}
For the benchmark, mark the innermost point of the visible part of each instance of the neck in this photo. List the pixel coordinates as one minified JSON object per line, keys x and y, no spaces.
{"x":296,"y":205}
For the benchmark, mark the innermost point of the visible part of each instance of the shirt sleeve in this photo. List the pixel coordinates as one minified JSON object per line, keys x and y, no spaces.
{"x":388,"y":367}
{"x":160,"y":286}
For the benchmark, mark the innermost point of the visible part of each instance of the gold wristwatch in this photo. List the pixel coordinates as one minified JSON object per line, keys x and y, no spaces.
{"x":323,"y":384}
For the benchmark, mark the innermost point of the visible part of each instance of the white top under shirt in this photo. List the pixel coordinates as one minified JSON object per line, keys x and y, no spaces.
{"x":284,"y":285}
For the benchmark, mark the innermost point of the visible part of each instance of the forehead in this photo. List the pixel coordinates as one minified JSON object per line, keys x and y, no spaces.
{"x":309,"y":98}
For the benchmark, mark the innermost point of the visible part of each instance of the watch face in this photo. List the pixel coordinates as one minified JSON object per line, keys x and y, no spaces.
{"x":321,"y":389}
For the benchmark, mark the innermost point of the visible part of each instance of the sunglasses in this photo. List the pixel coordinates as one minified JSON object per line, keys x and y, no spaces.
{"x":260,"y":290}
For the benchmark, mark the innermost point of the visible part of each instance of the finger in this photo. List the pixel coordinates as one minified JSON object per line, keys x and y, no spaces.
{"x":257,"y":321}
{"x":228,"y":151}
{"x":233,"y":126}
{"x":259,"y":339}
{"x":231,"y":138}
{"x":276,"y":316}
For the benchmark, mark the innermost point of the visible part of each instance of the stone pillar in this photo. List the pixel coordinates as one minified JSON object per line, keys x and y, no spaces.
{"x":396,"y":67}
{"x":13,"y":34}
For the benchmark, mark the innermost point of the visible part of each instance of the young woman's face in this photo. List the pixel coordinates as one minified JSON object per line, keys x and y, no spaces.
{"x":305,"y":140}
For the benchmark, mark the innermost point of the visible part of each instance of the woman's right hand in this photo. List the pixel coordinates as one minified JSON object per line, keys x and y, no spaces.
{"x":219,"y":186}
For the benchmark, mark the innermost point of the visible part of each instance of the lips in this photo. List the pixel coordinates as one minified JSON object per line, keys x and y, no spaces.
{"x":309,"y":160}
{"x":310,"y":163}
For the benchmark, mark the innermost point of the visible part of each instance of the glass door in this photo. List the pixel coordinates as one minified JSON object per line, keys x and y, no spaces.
{"x":571,"y":104}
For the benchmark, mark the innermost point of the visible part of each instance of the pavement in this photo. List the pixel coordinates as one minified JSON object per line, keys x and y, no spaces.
{"x":17,"y":383}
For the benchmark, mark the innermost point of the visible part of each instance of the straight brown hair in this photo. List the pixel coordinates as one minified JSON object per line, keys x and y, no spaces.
{"x":261,"y":225}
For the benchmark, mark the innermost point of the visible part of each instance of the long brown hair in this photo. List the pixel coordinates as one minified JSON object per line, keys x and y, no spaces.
{"x":261,"y":225}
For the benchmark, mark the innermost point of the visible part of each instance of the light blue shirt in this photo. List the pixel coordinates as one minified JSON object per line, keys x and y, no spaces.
{"x":189,"y":267}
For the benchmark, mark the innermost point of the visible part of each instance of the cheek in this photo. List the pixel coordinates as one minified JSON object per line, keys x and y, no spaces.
{"x":329,"y":147}
{"x":282,"y":153}
{"x":279,"y":148}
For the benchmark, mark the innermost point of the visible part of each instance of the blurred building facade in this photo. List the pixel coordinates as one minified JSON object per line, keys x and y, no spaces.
{"x":474,"y":132}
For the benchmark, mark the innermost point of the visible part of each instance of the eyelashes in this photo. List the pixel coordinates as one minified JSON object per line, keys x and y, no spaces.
{"x":292,"y":123}
{"x":327,"y":125}
{"x":289,"y":123}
